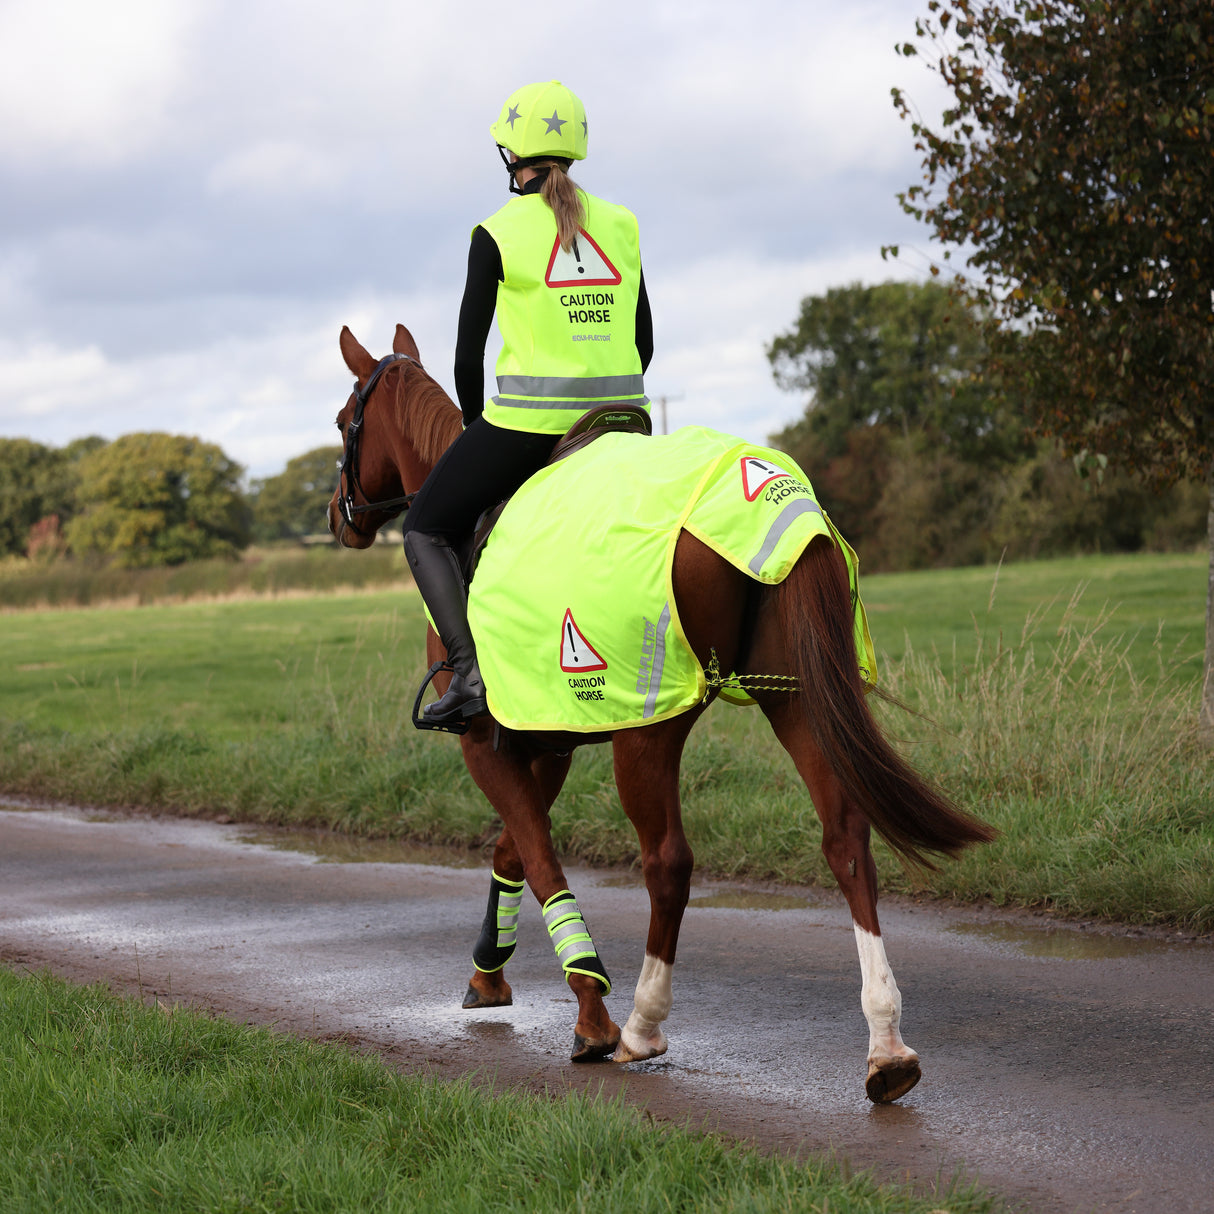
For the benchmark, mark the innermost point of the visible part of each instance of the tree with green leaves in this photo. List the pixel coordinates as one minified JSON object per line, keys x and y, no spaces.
{"x":36,"y":482}
{"x":159,"y":499}
{"x":891,"y":375}
{"x":1074,"y":172}
{"x":294,"y":503}
{"x":901,"y":354}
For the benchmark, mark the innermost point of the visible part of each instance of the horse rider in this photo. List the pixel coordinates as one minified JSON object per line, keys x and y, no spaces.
{"x":562,"y":270}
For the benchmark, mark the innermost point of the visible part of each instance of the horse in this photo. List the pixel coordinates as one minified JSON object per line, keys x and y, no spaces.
{"x":395,"y":426}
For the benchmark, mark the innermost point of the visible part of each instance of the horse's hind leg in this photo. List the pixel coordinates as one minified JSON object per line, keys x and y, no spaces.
{"x":647,"y":777}
{"x":893,"y":1067}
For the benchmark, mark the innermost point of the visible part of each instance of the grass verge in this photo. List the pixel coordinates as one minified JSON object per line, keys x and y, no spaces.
{"x":107,"y":1105}
{"x":1075,"y":736}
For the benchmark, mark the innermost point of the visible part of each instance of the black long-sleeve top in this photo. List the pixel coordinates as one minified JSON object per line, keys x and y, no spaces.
{"x":476,"y":316}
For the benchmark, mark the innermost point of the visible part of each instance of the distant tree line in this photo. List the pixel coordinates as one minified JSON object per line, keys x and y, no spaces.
{"x":152,"y":499}
{"x":925,"y":458}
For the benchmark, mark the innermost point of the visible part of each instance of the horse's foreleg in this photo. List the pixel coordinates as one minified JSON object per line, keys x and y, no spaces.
{"x":499,"y":931}
{"x":893,"y":1067}
{"x":521,"y":786}
{"x":647,"y":777}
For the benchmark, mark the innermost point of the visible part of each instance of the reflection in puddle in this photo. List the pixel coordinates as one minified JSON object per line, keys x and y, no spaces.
{"x":494,"y":1034}
{"x":631,"y":880}
{"x":1067,"y":945}
{"x":333,"y":848}
{"x":748,"y":899}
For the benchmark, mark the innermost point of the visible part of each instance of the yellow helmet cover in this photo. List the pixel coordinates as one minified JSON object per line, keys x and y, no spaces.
{"x":542,"y":120}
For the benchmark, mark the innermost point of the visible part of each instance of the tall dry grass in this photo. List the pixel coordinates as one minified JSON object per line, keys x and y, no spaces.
{"x":260,"y":572}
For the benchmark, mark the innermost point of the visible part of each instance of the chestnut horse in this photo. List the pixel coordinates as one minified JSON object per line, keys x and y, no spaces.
{"x":801,"y":628}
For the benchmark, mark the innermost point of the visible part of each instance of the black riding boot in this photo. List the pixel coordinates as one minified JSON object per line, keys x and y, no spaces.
{"x":437,"y":573}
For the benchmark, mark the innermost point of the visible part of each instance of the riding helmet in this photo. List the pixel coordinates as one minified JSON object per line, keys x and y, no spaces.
{"x":542,"y":120}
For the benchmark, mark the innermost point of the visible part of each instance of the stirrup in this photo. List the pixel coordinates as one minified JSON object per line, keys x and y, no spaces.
{"x":419,"y":722}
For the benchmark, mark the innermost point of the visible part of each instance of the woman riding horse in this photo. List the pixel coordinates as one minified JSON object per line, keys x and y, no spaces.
{"x":565,"y":349}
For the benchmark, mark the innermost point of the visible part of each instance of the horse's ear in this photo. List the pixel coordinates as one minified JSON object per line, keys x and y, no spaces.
{"x":403,"y":343}
{"x":357,"y":359}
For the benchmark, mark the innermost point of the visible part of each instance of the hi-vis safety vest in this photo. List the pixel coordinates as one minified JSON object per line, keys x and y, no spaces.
{"x":567,"y":319}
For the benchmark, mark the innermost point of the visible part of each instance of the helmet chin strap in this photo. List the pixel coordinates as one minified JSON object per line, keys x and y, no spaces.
{"x":526,"y":162}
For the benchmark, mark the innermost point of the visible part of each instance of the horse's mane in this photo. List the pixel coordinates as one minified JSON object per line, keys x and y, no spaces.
{"x":425,"y":413}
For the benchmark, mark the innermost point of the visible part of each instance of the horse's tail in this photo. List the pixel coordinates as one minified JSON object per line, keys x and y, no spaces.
{"x":816,"y":615}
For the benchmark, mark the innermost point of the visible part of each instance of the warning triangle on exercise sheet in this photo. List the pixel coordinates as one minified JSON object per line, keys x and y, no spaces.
{"x":577,"y":653}
{"x":757,"y":474}
{"x":584,"y":265}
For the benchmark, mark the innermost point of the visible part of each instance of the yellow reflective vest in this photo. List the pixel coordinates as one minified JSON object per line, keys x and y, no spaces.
{"x":567,"y":318}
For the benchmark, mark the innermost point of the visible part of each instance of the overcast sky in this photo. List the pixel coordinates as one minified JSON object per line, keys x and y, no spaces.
{"x":195,"y":195}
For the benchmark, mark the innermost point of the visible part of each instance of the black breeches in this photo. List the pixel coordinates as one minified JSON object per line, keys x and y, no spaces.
{"x":484,"y":466}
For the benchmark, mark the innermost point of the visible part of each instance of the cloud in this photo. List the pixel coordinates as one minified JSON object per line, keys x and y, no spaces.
{"x":273,"y":172}
{"x":264,"y":398}
{"x":194,"y":197}
{"x":88,"y":81}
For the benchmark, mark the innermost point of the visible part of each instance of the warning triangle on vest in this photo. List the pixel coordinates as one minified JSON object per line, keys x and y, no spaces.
{"x":584,"y":265}
{"x":577,"y":654}
{"x":757,"y":474}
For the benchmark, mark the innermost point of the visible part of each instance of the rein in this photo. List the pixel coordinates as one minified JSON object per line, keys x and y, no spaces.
{"x":349,"y":459}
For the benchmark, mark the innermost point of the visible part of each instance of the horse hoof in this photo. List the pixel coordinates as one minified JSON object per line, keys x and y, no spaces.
{"x":587,"y":1050}
{"x":891,"y":1079}
{"x":638,"y":1049}
{"x":474,"y":998}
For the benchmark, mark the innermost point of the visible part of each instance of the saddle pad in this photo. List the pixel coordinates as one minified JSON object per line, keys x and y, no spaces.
{"x":572,"y":607}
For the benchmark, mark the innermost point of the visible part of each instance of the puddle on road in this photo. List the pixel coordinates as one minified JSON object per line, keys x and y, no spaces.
{"x":332,"y":848}
{"x":728,"y":898}
{"x":748,"y":899}
{"x":1066,"y":945}
{"x":21,"y":807}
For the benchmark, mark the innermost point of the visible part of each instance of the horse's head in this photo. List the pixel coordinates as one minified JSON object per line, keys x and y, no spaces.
{"x":394,"y":427}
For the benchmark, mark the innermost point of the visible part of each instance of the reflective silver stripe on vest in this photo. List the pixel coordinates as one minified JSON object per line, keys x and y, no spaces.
{"x":785,"y":519}
{"x":659,"y":660}
{"x":563,"y":387}
{"x":568,"y":404}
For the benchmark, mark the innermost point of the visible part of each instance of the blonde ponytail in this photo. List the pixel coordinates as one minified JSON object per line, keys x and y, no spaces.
{"x":560,"y":192}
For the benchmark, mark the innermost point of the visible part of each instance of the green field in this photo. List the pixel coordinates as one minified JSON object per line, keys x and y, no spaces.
{"x":107,"y":1105}
{"x":1156,"y":602}
{"x":1061,"y":697}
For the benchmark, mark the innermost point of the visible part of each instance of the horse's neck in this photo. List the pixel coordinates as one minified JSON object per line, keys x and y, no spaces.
{"x":428,"y":424}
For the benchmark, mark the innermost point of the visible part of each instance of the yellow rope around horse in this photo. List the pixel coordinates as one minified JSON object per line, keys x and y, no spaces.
{"x":745,"y":683}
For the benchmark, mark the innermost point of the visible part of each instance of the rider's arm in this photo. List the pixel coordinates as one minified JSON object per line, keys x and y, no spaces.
{"x":644,"y":326}
{"x":475,"y":318}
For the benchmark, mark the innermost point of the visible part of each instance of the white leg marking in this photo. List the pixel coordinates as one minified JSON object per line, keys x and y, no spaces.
{"x":880,"y":998}
{"x":642,"y":1036}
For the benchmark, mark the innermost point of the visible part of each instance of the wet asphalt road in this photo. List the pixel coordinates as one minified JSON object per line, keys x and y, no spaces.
{"x":1069,"y":1070}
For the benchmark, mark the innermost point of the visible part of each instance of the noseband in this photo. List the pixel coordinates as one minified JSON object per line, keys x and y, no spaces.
{"x":349,"y":458}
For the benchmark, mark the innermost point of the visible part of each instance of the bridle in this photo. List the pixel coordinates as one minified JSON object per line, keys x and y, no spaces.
{"x":348,"y":466}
